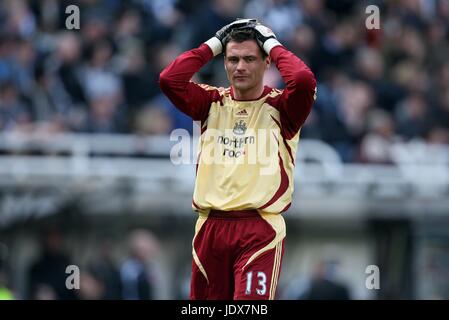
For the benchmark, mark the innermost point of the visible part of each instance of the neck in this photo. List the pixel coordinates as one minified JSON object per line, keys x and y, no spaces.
{"x":250,"y":94}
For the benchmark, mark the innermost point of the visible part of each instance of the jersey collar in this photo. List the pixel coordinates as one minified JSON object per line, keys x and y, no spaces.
{"x":266,"y":90}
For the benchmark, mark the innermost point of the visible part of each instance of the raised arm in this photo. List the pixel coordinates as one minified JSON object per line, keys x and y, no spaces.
{"x":295,"y":103}
{"x":175,"y":83}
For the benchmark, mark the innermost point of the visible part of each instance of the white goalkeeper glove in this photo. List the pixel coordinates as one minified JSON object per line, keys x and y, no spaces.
{"x":266,"y":38}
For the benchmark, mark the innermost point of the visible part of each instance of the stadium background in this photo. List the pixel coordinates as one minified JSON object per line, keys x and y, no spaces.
{"x":85,"y":143}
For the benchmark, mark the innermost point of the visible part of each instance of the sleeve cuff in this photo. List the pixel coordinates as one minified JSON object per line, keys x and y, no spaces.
{"x":270,"y":44}
{"x":215,"y":45}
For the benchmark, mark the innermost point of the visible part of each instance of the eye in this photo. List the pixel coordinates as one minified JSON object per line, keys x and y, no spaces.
{"x":250,"y":59}
{"x":233,"y":59}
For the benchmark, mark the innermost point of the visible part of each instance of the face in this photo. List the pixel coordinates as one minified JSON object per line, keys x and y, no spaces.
{"x":245,"y":65}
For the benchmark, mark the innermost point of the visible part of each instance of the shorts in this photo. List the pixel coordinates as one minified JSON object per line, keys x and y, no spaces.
{"x":237,"y":255}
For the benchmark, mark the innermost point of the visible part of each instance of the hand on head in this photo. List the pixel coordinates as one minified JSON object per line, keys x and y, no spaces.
{"x":264,"y":35}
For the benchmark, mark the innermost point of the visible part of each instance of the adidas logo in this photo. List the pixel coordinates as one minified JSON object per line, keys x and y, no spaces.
{"x":242,"y":113}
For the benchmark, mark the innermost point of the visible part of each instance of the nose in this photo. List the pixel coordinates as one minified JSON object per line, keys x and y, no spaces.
{"x":241,"y":65}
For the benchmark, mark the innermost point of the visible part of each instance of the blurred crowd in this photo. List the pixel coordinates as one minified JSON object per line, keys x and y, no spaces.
{"x":55,"y":274}
{"x":375,"y":87}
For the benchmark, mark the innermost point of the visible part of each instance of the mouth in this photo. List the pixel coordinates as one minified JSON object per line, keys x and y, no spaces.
{"x":240,"y":78}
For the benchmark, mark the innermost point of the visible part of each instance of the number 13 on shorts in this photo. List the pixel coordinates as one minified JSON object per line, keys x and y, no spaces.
{"x":261,"y":283}
{"x":260,"y":275}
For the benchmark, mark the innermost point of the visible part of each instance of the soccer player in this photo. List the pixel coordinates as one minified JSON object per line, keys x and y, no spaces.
{"x":239,"y":235}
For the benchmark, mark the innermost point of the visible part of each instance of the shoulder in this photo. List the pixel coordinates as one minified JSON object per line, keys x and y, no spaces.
{"x":273,"y":97}
{"x":275,"y":92}
{"x":220,"y":90}
{"x":207,"y":87}
{"x":216,"y":93}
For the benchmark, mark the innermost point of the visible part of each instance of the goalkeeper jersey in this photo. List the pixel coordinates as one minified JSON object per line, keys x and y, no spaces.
{"x":247,"y":149}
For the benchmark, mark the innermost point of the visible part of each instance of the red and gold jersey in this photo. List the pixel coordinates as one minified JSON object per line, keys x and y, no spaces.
{"x":247,"y":149}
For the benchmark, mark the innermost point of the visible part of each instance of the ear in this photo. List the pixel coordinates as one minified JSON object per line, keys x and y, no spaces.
{"x":267,"y":62}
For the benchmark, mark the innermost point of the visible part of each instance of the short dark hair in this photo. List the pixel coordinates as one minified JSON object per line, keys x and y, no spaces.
{"x":240,"y":35}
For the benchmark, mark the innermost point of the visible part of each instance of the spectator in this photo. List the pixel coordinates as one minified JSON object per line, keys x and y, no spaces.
{"x":137,"y":77}
{"x":67,"y":59}
{"x":92,"y":286}
{"x":103,"y":278}
{"x":323,"y":285}
{"x":376,"y":145}
{"x":106,"y":114}
{"x":47,"y":275}
{"x":51,"y":106}
{"x":153,"y":119}
{"x":14,"y":113}
{"x":137,"y":271}
{"x":412,"y":117}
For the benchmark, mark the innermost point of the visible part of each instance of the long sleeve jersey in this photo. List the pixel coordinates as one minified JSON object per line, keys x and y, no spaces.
{"x":247,"y":149}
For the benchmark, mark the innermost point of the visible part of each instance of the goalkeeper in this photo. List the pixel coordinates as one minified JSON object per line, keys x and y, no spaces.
{"x":239,"y":235}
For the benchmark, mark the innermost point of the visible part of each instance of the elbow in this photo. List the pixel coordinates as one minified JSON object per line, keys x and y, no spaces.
{"x":164,"y":80}
{"x":312,"y":80}
{"x":306,"y":79}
